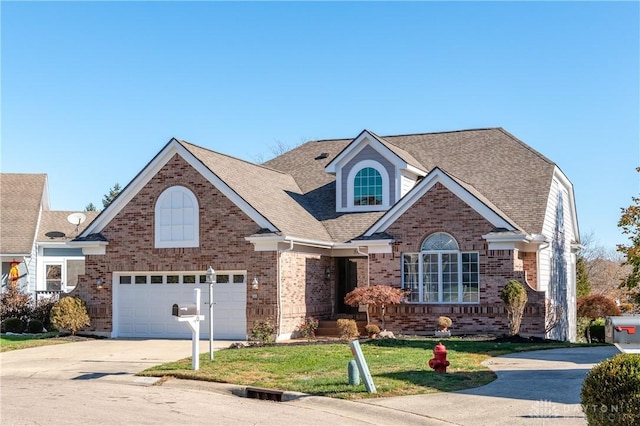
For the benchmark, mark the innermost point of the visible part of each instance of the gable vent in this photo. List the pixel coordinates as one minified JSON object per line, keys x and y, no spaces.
{"x":322,"y":156}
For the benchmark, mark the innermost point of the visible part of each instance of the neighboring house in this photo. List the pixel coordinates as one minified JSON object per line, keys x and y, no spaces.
{"x":34,"y":238}
{"x":450,"y":216}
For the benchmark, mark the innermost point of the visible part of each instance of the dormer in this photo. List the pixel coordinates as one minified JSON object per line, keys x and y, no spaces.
{"x":372,"y":174}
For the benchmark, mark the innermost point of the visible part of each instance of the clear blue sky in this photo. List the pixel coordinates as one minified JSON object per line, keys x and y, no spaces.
{"x":91,"y":91}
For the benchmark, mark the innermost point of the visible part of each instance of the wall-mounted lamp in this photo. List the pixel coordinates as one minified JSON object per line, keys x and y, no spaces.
{"x":255,"y":284}
{"x":100,"y":283}
{"x":327,"y":272}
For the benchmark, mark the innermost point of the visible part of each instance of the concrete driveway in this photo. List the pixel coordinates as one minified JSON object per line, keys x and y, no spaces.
{"x":93,"y":382}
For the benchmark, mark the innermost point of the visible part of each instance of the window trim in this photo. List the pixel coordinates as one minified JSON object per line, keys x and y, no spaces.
{"x":351,"y":186}
{"x":193,"y":242}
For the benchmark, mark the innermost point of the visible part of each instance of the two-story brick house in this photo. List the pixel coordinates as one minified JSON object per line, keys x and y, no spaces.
{"x":449,"y":216}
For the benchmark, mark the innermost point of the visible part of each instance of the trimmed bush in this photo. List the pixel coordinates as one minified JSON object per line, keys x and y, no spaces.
{"x":262,"y":332}
{"x":514,"y":296}
{"x":12,"y":325}
{"x":372,"y":329}
{"x":70,"y":313}
{"x":444,"y":323}
{"x":596,"y":331}
{"x":347,"y":328}
{"x":35,"y":326}
{"x":611,"y":392}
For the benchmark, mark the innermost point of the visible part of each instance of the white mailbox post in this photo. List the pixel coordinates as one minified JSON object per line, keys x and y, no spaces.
{"x":191,"y":315}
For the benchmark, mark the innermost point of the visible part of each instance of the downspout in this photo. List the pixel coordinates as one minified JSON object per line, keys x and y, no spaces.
{"x":279,"y":287}
{"x":368,"y":276}
{"x":368,"y":268}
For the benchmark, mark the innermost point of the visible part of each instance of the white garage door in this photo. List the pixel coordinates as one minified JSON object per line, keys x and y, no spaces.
{"x":143,"y":304}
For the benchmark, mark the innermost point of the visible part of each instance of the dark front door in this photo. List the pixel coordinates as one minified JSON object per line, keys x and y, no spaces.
{"x":346,"y":280}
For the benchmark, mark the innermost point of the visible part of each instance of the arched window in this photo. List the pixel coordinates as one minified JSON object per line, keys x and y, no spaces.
{"x":441,"y":273}
{"x":367,"y":188}
{"x":177,"y":219}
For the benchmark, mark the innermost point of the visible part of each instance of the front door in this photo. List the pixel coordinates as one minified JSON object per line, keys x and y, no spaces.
{"x":346,"y":280}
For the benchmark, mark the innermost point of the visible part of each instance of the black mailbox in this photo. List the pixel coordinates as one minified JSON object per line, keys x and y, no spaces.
{"x":184,"y":310}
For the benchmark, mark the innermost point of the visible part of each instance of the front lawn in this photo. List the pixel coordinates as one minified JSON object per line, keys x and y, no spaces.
{"x":398,"y":366}
{"x":11,"y":342}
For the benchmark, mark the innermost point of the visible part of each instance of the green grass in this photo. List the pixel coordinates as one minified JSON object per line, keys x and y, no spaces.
{"x":398,"y":366}
{"x":13,"y":342}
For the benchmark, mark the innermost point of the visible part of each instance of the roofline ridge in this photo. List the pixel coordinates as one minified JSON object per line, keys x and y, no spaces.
{"x":524,"y":145}
{"x":182,"y":141}
{"x":409,"y":134}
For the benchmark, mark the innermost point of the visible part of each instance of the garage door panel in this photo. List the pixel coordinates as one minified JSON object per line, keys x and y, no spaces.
{"x":145,"y":310}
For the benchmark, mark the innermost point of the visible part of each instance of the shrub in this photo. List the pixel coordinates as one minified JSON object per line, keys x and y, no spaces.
{"x":372,"y":329}
{"x":514,"y":296}
{"x":69,"y":313}
{"x":597,"y":306}
{"x":15,"y":304}
{"x":308,"y":328}
{"x":596,"y":330}
{"x":12,"y":325}
{"x":35,"y":326}
{"x":581,"y":329}
{"x":611,"y":391}
{"x":42,"y":311}
{"x":626,"y":307}
{"x":444,"y":323}
{"x":262,"y":332}
{"x":348,"y":329}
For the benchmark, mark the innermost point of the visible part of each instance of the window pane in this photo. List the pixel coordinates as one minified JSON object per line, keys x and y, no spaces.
{"x":75,"y":268}
{"x":125,"y":279}
{"x":238,"y":279}
{"x":189,"y":279}
{"x":222,"y":279}
{"x":54,"y":277}
{"x":430,"y":277}
{"x":173,"y":279}
{"x":141,"y":279}
{"x":367,"y":187}
{"x":156,"y":279}
{"x":410,"y":276}
{"x":439,"y":241}
{"x":470,"y":278}
{"x":203,"y":279}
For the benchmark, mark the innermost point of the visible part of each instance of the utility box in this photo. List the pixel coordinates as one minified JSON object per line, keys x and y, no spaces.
{"x":623,"y":332}
{"x":184,"y":310}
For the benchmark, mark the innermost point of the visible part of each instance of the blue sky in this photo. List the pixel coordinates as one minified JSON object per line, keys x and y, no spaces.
{"x":91,"y":91}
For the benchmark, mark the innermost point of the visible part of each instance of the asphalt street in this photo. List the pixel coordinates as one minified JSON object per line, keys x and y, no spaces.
{"x":94,"y":383}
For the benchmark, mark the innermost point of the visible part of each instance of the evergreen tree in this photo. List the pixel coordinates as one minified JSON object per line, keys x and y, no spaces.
{"x":109,"y":197}
{"x":583,"y":286}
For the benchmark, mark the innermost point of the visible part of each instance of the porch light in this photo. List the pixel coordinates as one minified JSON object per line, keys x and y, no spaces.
{"x":100,"y":283}
{"x":255,"y":284}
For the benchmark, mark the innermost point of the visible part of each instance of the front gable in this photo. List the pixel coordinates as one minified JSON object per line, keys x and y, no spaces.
{"x":171,"y":151}
{"x":464,"y":193}
{"x":371,"y":174}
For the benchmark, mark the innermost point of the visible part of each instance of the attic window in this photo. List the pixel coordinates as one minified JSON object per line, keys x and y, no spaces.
{"x":367,"y":187}
{"x":322,"y":156}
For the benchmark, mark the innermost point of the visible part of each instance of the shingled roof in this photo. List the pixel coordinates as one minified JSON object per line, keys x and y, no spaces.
{"x":56,"y":221}
{"x":509,"y":174}
{"x":21,"y":198}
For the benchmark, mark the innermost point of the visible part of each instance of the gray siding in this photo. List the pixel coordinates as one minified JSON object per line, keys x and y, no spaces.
{"x":368,"y":153}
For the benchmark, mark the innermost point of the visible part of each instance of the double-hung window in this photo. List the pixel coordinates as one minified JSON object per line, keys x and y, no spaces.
{"x":441,"y":273}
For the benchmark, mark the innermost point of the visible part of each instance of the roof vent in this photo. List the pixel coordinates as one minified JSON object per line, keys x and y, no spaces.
{"x":322,"y":156}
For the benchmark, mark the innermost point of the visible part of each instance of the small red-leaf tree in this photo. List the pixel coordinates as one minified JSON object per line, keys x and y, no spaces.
{"x":379,"y":296}
{"x":596,"y":306}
